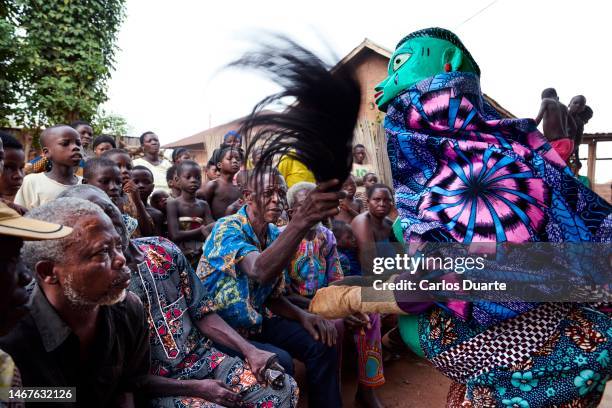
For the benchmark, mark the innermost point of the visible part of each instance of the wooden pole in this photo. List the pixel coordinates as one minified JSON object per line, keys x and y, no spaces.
{"x":591,"y":162}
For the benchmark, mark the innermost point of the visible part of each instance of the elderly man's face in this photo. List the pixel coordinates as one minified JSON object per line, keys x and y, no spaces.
{"x":131,"y":252}
{"x":93,"y":271}
{"x":269,"y":198}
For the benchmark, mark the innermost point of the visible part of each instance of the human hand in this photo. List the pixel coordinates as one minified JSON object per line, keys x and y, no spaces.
{"x":320,"y":329}
{"x":357,"y":321}
{"x":131,"y":189}
{"x":258,"y":361}
{"x":21,"y":210}
{"x":217,"y":392}
{"x":320,"y":204}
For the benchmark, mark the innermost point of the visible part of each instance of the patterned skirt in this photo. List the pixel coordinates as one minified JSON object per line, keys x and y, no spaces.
{"x":569,"y":368}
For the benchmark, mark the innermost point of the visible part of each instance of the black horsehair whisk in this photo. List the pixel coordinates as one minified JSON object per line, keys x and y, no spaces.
{"x":317,"y":127}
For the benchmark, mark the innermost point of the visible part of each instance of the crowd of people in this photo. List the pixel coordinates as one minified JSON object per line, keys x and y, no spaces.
{"x":175,"y":284}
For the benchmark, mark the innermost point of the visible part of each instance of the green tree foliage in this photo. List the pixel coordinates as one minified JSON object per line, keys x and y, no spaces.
{"x":11,"y":67}
{"x":109,"y":124}
{"x":69,"y":46}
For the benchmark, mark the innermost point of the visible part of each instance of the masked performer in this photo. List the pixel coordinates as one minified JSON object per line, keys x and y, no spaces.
{"x":463,"y":174}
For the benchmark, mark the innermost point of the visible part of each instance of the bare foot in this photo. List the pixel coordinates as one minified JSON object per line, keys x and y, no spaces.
{"x":366,"y":397}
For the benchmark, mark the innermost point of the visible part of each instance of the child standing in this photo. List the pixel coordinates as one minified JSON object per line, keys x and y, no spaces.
{"x":159,"y":200}
{"x":170,"y":179}
{"x":85,"y":132}
{"x":143,"y":178}
{"x":222,"y":192}
{"x":212,"y":172}
{"x":349,"y":206}
{"x":189,"y":218}
{"x":180,"y":154}
{"x":368,"y":181}
{"x":61,"y":146}
{"x":347,"y":248}
{"x":129,"y":201}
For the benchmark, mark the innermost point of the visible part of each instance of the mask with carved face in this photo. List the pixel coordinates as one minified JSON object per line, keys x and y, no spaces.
{"x":421,"y":55}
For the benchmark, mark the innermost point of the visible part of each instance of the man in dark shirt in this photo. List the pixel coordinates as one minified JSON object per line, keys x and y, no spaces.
{"x":186,"y":370}
{"x":84,"y":329}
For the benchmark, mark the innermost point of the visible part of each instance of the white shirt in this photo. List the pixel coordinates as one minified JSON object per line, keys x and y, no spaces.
{"x":37,"y":189}
{"x":159,"y":172}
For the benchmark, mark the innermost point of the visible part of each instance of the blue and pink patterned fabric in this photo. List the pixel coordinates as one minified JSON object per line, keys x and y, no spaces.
{"x":463,"y":174}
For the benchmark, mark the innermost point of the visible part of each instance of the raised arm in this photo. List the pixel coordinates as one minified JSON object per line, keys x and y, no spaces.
{"x":540,"y":116}
{"x":321,"y":203}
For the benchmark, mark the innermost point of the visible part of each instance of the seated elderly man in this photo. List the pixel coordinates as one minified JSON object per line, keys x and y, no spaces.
{"x":187,"y":370}
{"x":84,"y":329}
{"x":243,"y":268}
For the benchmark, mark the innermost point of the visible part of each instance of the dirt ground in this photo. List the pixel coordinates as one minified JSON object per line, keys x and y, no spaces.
{"x":410,"y":382}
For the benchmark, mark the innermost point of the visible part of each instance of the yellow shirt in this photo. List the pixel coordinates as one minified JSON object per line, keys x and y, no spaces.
{"x":294,"y":171}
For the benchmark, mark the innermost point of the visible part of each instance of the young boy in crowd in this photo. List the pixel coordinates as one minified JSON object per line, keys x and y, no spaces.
{"x":11,"y":178}
{"x":212,"y":172}
{"x":347,"y":248}
{"x":360,"y":168}
{"x":221,"y":193}
{"x":180,"y":154}
{"x":61,"y":145}
{"x":170,"y":179}
{"x":368,"y":181}
{"x":242,"y":179}
{"x":129,"y":201}
{"x":159,"y":200}
{"x":103,"y":143}
{"x":349,"y":206}
{"x":85,"y":132}
{"x":189,"y":218}
{"x":143,"y":178}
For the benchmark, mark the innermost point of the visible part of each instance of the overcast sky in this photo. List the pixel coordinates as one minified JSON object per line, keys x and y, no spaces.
{"x":168,"y":76}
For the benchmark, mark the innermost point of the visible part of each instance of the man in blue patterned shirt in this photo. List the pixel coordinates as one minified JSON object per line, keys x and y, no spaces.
{"x":242,"y":267}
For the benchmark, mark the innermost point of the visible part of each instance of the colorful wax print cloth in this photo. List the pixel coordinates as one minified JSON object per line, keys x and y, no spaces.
{"x":569,"y":368}
{"x":174,"y":300}
{"x":368,"y":343}
{"x":316,"y":263}
{"x":237,"y":376}
{"x":463,"y":174}
{"x":240,"y":301}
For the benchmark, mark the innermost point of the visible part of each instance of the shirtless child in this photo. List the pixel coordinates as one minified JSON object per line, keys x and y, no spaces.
{"x":349,"y":206}
{"x":222,"y":192}
{"x":555,"y":126}
{"x":188,"y":216}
